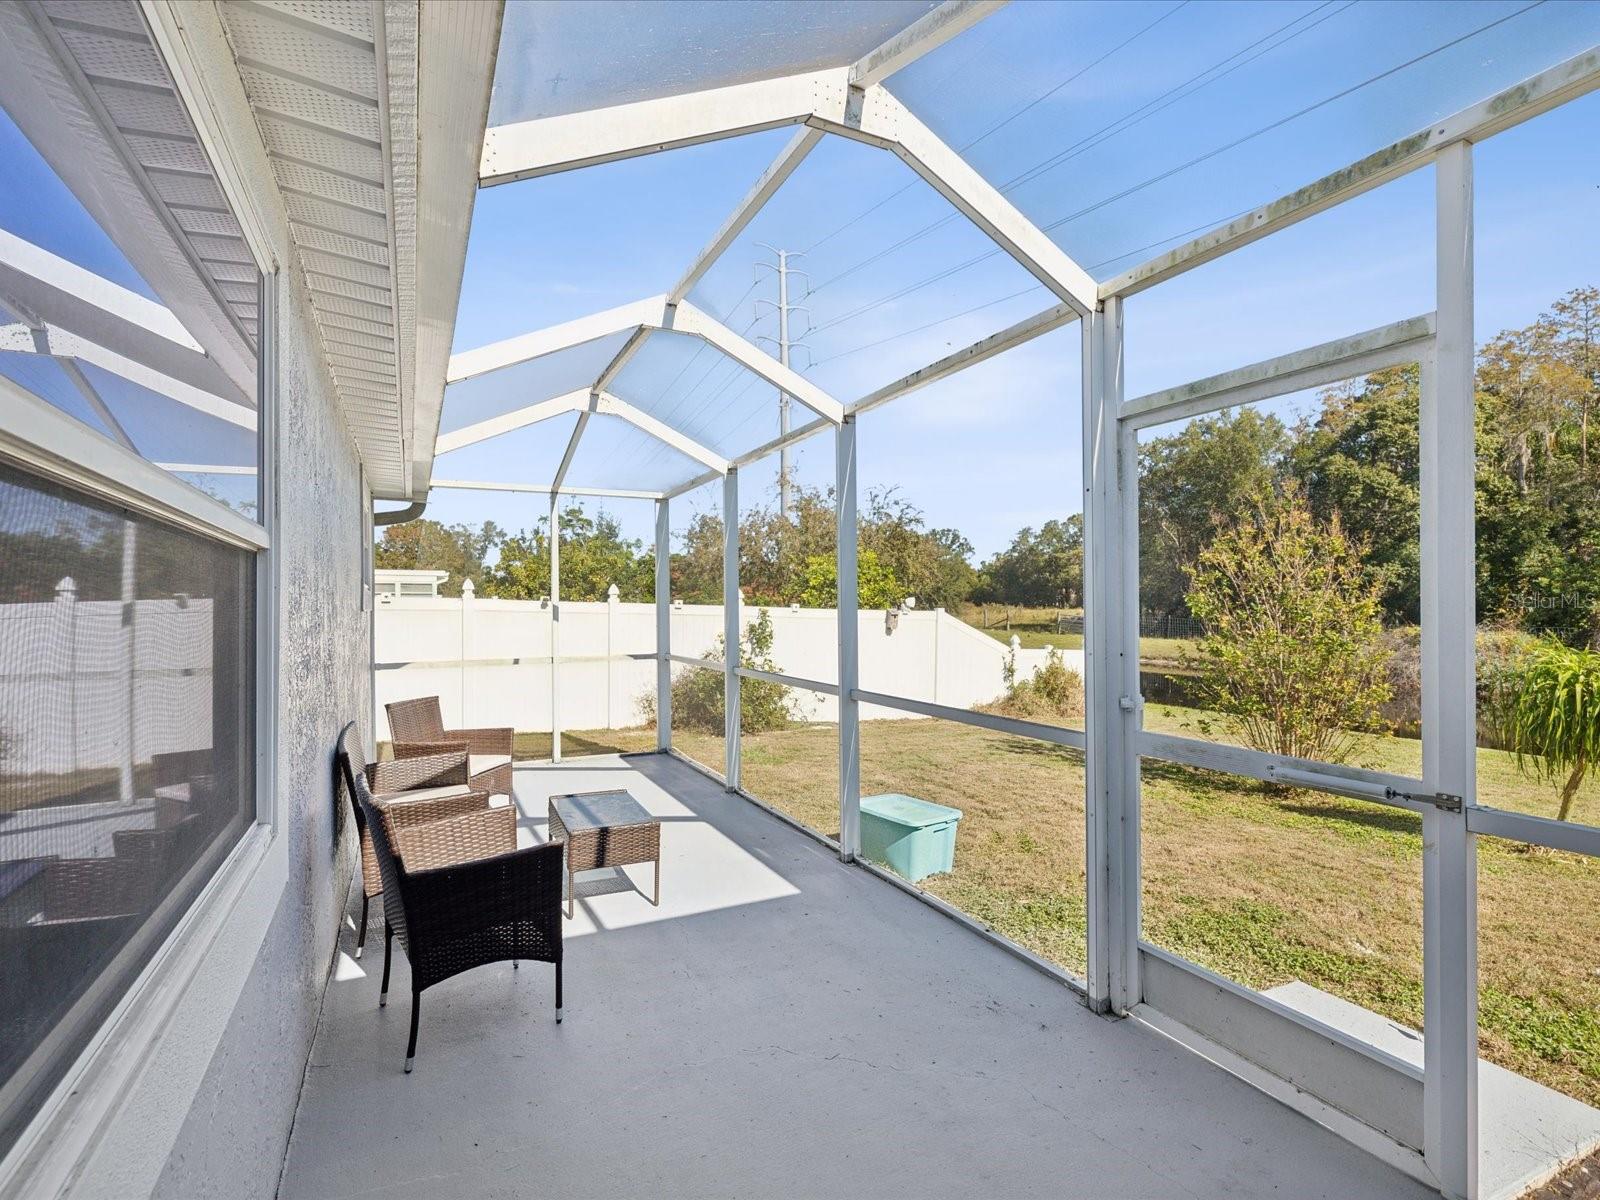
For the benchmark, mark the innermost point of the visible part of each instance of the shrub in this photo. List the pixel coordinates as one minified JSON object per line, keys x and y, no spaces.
{"x":1293,"y":655}
{"x":1054,"y":691}
{"x":697,"y":693}
{"x":876,"y":585}
{"x":1546,"y":704}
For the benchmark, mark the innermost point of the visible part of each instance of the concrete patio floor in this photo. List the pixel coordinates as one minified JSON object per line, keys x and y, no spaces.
{"x":782,"y":1026}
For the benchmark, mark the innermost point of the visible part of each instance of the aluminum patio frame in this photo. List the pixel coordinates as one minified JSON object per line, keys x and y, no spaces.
{"x":1425,"y":1121}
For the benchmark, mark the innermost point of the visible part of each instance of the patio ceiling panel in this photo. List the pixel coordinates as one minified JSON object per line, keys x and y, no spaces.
{"x":558,"y":59}
{"x":686,"y":384}
{"x":471,"y":402}
{"x":529,"y":454}
{"x":1116,"y":159}
{"x":871,"y":304}
{"x":615,"y":454}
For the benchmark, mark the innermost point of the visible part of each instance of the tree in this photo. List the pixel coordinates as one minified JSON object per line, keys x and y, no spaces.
{"x":776,"y":553}
{"x":697,"y":568}
{"x":932,"y":565}
{"x":1040,"y":568}
{"x":1209,"y":469}
{"x":876,"y":586}
{"x":1360,"y":459}
{"x":594,"y":556}
{"x":1293,"y":653}
{"x":430,"y":546}
{"x":1546,"y":705}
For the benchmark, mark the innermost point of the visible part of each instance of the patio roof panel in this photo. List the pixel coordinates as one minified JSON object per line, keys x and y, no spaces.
{"x":563,"y":58}
{"x":497,"y":393}
{"x":871,"y":303}
{"x":530,"y":454}
{"x":1122,"y":129}
{"x":687,"y":384}
{"x":615,"y":454}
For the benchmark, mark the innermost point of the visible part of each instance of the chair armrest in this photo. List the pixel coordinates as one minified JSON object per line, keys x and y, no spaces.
{"x":403,"y":814}
{"x":417,"y":771}
{"x":522,"y":885}
{"x":484,"y":741}
{"x":422,"y":749}
{"x":467,"y":837}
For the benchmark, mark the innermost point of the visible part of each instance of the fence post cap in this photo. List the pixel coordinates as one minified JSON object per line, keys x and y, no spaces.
{"x":613,"y":592}
{"x":67,"y":589}
{"x":1016,"y":642}
{"x":467,"y":588}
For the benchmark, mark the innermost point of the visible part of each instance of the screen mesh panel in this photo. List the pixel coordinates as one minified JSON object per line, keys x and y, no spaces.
{"x":126,"y":747}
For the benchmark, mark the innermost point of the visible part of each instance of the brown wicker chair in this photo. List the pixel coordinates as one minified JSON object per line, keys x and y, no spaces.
{"x":460,"y":895}
{"x":426,"y":788}
{"x":416,"y":727}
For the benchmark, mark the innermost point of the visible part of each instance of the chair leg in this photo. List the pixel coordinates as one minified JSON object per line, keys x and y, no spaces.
{"x":388,"y":942}
{"x":558,"y":991}
{"x":361,"y":933}
{"x":416,"y":1011}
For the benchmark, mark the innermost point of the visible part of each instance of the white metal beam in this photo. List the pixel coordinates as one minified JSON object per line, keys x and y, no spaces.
{"x":205,"y":468}
{"x":541,"y":489}
{"x":790,"y":157}
{"x":1449,"y":699}
{"x":555,"y":633}
{"x":1315,"y":366}
{"x":846,"y":604}
{"x":732,"y":633}
{"x":651,"y":314}
{"x":43,"y":288}
{"x":572,"y":445}
{"x":62,"y":344}
{"x":545,"y":146}
{"x":1547,"y":90}
{"x":1111,"y":672}
{"x":605,"y":402}
{"x":996,"y":343}
{"x":620,"y":359}
{"x":663,"y":625}
{"x":519,"y":418}
{"x":881,"y":120}
{"x":528,"y":346}
{"x":922,"y":36}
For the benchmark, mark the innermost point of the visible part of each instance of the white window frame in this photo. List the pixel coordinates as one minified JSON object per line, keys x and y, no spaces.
{"x":200,"y":968}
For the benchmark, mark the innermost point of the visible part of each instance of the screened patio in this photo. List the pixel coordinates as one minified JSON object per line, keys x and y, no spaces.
{"x":435,"y":259}
{"x":592,"y":409}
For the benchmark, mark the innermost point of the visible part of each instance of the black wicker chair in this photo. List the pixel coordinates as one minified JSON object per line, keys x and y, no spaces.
{"x":455,"y":909}
{"x":411,"y":791}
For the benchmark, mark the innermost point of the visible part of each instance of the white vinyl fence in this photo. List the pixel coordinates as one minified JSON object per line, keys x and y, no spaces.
{"x":489,"y":660}
{"x":96,"y":684}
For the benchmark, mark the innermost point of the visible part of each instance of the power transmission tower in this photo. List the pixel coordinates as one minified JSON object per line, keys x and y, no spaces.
{"x":784,"y":344}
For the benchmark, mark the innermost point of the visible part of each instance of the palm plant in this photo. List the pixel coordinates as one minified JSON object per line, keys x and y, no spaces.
{"x":1548,"y":710}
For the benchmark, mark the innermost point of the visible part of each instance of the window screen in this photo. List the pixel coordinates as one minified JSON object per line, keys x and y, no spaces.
{"x":126,"y":748}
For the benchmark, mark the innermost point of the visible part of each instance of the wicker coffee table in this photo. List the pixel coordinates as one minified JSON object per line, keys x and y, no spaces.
{"x":604,"y":829}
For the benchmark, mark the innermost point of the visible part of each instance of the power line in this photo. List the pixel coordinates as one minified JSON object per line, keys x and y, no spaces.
{"x":1004,"y":121}
{"x":1294,"y":116}
{"x":1121,"y":125}
{"x":1056,"y":224}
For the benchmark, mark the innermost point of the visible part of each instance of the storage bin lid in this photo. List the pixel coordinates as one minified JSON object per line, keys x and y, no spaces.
{"x":909,"y":811}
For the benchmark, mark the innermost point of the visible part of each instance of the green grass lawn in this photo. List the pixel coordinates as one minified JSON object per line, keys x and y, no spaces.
{"x":1035,"y":629}
{"x":1261,"y":885}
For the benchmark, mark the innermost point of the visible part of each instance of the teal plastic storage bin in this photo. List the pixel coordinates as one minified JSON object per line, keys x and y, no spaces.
{"x":913,"y":838}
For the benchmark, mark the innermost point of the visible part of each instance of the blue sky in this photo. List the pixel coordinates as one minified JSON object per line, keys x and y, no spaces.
{"x":1098,"y":101}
